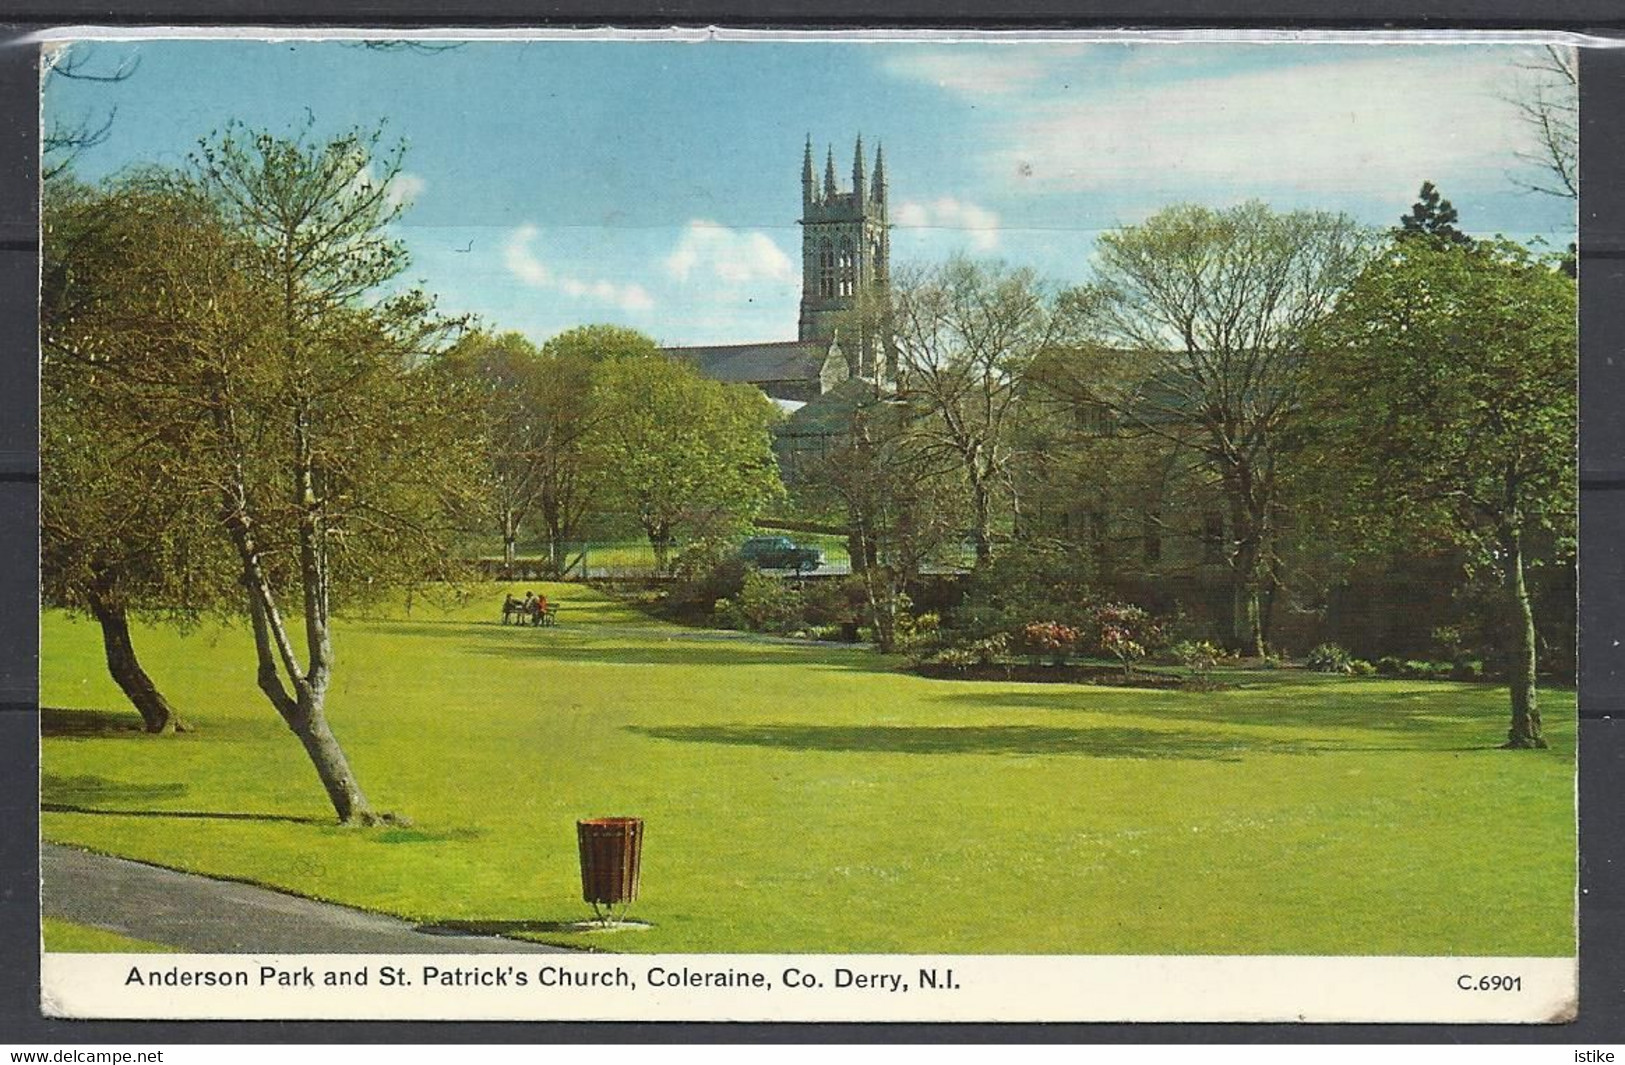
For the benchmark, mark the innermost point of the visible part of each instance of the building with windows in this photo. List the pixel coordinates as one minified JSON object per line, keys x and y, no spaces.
{"x":845,"y":287}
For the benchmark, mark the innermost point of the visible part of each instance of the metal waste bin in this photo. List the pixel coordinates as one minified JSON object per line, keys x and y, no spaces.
{"x":611,"y":848}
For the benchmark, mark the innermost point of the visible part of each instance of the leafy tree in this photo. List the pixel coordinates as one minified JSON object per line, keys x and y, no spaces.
{"x":1211,"y":307}
{"x":1449,"y":414}
{"x":685,"y":456}
{"x":966,"y":334}
{"x":337,"y":457}
{"x":122,"y":531}
{"x":506,"y":382}
{"x":1433,"y":218}
{"x":568,"y":409}
{"x":536,"y":408}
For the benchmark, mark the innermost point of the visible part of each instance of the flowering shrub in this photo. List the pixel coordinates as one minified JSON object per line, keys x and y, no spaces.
{"x":1198,"y":656}
{"x":1125,"y":632}
{"x":989,"y":650}
{"x":1048,"y":639}
{"x":1328,"y":658}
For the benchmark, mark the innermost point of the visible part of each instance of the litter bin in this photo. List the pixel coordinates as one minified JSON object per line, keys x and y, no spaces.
{"x":611,"y":848}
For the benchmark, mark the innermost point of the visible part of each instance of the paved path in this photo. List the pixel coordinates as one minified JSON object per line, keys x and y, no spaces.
{"x":204,"y":915}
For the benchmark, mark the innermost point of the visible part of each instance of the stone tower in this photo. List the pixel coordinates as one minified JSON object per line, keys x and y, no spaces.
{"x":845,"y":260}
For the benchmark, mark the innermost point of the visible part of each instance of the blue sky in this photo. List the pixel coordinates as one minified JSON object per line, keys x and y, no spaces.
{"x":657,"y":184}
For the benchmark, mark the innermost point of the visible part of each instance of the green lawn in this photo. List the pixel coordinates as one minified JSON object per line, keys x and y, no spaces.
{"x":814,"y":798}
{"x":70,"y":937}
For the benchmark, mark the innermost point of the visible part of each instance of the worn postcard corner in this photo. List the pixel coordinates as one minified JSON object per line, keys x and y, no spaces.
{"x":787,"y":528}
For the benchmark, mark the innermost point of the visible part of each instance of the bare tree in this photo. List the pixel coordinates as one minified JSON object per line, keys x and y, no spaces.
{"x":1210,"y":309}
{"x":63,"y":140}
{"x":894,"y":490}
{"x":1546,"y":97}
{"x":966,"y":333}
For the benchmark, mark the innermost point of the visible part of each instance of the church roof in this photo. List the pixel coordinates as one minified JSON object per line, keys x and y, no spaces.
{"x":783,"y":360}
{"x":831,"y":414}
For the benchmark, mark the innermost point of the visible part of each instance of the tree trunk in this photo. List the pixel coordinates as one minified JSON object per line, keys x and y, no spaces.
{"x":555,"y":546}
{"x":1248,"y":527}
{"x":856,"y":551}
{"x":1246,"y":630}
{"x":1525,"y":731}
{"x":302,"y":710}
{"x":310,"y":725}
{"x":1246,"y":626}
{"x":660,"y":542}
{"x":156,"y":713}
{"x":882,"y":599}
{"x":1271,"y":594}
{"x":982,"y":534}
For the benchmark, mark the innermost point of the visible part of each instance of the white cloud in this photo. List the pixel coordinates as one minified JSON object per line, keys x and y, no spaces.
{"x":977,"y":71}
{"x":403,"y":188}
{"x":1379,"y":123}
{"x":979,"y":225}
{"x":521,"y":261}
{"x":731,"y":256}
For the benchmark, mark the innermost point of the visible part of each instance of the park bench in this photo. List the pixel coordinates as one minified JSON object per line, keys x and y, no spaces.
{"x":515,"y":612}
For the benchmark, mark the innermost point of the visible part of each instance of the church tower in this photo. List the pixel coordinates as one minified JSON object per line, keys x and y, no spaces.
{"x":845,"y":260}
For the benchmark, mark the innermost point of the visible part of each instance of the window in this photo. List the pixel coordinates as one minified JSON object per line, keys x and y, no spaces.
{"x":1213,"y":538}
{"x":826,"y":269}
{"x":1152,"y":539}
{"x":849,"y":268}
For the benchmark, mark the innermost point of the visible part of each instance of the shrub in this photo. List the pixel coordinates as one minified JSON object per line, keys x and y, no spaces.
{"x":767,"y":604}
{"x":1028,"y":579}
{"x":1124,"y":632}
{"x":916,"y":633}
{"x":1201,"y":657}
{"x":955,"y":658}
{"x":1359,"y":667}
{"x":1048,"y":639}
{"x":705,"y":573}
{"x":1389,"y":666}
{"x":828,"y":603}
{"x":990,"y":649}
{"x":1328,"y":658}
{"x":725,"y":614}
{"x":1467,"y":669}
{"x":1417,"y":670}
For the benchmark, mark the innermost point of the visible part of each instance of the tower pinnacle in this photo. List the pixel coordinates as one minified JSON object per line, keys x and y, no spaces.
{"x":809,"y":184}
{"x":858,"y":181}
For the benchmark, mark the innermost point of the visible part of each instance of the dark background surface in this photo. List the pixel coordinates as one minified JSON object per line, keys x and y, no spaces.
{"x":1602,"y":566}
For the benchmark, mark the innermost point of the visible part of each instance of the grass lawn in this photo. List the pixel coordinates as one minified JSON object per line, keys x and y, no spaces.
{"x":71,"y":937}
{"x":814,"y":798}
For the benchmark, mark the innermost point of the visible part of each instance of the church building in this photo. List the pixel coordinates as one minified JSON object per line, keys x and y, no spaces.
{"x":845,"y":286}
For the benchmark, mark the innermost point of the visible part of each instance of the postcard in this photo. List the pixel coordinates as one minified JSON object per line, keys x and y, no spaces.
{"x":715,"y":525}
